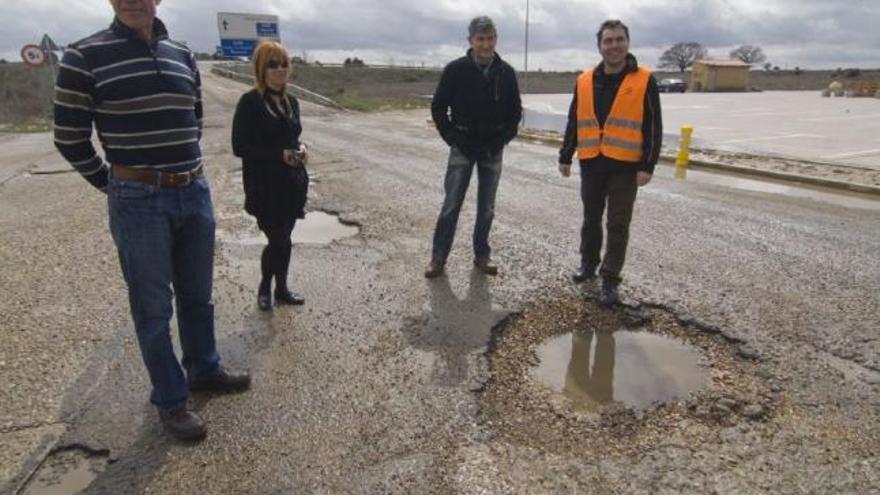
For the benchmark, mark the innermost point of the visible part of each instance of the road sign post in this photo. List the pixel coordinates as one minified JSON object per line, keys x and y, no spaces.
{"x":240,"y":33}
{"x":33,"y":55}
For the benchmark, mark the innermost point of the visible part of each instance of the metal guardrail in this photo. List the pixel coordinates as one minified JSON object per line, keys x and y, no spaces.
{"x":249,"y":79}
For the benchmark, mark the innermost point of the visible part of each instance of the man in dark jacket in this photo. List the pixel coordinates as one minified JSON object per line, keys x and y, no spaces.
{"x":618,"y":140}
{"x":476,"y":109}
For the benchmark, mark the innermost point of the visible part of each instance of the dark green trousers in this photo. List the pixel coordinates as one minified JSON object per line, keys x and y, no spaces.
{"x":617,"y":193}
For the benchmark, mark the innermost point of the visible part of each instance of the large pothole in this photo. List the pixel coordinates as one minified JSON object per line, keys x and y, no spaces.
{"x":574,"y":378}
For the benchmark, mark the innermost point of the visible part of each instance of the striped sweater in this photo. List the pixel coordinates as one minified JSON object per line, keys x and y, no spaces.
{"x":143,"y":99}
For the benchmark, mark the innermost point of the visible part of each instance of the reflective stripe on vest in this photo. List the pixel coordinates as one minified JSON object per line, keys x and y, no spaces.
{"x":621,"y":137}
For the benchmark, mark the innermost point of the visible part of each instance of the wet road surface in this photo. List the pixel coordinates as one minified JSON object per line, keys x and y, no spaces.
{"x":375,"y":384}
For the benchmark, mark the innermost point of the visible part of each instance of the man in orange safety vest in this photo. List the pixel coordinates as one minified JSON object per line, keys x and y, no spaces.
{"x":615,"y":126}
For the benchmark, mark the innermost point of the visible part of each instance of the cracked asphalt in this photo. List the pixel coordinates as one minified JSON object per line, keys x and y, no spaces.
{"x":382,"y":381}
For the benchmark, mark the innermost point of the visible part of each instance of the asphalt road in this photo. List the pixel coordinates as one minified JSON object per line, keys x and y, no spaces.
{"x":374,"y":385}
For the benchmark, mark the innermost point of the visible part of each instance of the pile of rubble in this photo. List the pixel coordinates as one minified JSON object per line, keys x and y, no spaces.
{"x":853,"y":89}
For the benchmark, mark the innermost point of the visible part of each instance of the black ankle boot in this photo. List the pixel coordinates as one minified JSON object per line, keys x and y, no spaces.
{"x":583,"y":273}
{"x":285,"y":296}
{"x":264,"y":299}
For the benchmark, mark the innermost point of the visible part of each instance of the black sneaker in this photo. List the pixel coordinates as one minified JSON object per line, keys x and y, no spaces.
{"x":183,"y":424}
{"x":583,"y":273}
{"x":608,"y":294}
{"x":222,"y":381}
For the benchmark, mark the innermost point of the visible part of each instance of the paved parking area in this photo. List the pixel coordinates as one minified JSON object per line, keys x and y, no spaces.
{"x":798,"y":124}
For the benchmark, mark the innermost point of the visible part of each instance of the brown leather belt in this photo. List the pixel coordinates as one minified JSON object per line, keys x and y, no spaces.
{"x":155,"y":177}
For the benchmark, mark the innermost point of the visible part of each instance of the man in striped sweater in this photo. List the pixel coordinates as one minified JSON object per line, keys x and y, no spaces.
{"x":141,"y":92}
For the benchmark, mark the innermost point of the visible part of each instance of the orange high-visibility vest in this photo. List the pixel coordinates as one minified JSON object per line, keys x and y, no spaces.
{"x":621,"y":136}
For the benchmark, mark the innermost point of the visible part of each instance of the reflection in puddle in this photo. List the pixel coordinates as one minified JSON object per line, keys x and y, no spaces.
{"x":317,"y":228}
{"x":635,"y":368}
{"x":66,"y":473}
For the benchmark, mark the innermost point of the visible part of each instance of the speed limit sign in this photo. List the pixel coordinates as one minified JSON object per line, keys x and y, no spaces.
{"x":33,"y":55}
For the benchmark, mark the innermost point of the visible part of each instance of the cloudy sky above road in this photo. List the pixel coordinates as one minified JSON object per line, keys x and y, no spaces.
{"x":805,"y":33}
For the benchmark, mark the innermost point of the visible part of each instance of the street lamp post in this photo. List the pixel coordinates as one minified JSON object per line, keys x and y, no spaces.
{"x":526,"y":56}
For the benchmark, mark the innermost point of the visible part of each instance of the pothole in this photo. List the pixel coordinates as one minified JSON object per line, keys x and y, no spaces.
{"x":321,"y":228}
{"x":67,"y":471}
{"x":317,"y":227}
{"x":638,"y":369}
{"x":573,"y":378}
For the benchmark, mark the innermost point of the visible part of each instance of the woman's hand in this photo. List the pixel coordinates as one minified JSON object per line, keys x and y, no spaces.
{"x":303,"y":153}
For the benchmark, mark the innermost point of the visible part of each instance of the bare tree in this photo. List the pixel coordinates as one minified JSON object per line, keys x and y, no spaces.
{"x":750,"y":54}
{"x":682,"y":55}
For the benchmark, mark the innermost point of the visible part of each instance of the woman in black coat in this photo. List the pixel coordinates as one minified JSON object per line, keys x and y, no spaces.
{"x":265,"y":134}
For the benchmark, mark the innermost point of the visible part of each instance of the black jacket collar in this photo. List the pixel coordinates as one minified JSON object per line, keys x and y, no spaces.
{"x":632,"y":65}
{"x":492,"y":65}
{"x":159,"y":30}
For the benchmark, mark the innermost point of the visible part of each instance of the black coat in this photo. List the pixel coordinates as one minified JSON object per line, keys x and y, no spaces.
{"x":475,"y":112}
{"x":273,"y":190}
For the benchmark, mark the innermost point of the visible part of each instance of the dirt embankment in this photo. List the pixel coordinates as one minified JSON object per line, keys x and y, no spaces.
{"x":25,"y":95}
{"x":393,"y":86}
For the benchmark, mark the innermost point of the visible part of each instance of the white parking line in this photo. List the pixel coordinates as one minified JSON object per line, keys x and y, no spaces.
{"x":852,"y":154}
{"x":771,"y":138}
{"x":844,"y":117}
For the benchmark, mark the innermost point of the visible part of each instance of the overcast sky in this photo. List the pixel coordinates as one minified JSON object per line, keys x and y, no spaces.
{"x":805,"y":33}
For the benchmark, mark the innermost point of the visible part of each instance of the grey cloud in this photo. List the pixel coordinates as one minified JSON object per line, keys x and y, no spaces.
{"x":801,"y":32}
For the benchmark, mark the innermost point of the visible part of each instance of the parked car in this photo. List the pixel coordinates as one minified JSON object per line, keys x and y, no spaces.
{"x":672,"y":86}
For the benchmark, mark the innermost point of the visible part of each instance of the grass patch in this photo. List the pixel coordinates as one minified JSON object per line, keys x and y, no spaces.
{"x":359,"y":103}
{"x":27,"y":127}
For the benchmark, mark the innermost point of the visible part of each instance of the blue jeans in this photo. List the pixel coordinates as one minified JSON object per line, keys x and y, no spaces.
{"x":165,"y":239}
{"x":458,"y":177}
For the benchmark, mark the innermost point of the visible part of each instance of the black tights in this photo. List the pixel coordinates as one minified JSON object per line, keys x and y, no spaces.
{"x":275,"y":260}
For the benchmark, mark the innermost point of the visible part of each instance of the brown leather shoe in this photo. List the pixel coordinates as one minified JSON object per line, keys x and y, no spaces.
{"x":183,"y":424}
{"x":222,"y":381}
{"x":485,"y":265}
{"x":435,"y":269}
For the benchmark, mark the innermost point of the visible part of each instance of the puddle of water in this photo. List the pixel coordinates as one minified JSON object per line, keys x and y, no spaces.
{"x":636,"y":368}
{"x":66,"y":473}
{"x":317,"y":228}
{"x":320,"y":228}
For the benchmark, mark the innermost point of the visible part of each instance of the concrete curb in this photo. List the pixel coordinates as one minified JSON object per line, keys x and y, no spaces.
{"x":783,"y":176}
{"x":740,"y":170}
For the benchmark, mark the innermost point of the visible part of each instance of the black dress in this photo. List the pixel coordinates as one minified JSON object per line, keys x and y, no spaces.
{"x":275,"y":193}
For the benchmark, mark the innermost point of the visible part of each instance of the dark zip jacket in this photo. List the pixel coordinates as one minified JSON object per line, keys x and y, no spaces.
{"x":474,"y":111}
{"x":605,"y":88}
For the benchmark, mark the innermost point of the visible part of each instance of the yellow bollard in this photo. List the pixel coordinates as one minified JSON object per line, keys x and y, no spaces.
{"x":681,"y":160}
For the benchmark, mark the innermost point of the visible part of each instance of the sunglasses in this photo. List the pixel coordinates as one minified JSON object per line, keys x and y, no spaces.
{"x":277,"y":64}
